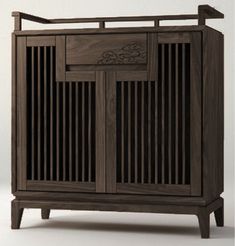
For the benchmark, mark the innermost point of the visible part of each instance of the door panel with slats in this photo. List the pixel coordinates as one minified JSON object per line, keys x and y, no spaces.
{"x":157,"y":124}
{"x":60,"y":118}
{"x":115,"y":131}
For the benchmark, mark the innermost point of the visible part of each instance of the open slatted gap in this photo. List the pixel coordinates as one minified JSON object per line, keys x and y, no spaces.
{"x":60,"y":123}
{"x":153,"y":123}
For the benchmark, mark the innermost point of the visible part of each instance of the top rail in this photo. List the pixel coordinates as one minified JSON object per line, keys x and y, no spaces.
{"x":204,"y":12}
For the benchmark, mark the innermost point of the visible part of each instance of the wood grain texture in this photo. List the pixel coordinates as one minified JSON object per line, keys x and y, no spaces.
{"x":152,"y":57}
{"x":100,"y":132}
{"x":14,"y":117}
{"x":202,"y":212}
{"x":196,"y":114}
{"x":80,"y":76}
{"x":106,"y":67}
{"x":102,"y":197}
{"x":60,"y":58}
{"x":16,"y":214}
{"x":41,"y":41}
{"x":106,"y":49}
{"x":178,"y":37}
{"x":21,"y":114}
{"x":65,"y":186}
{"x":136,"y":75}
{"x":157,"y":189}
{"x":110,"y":132}
{"x":204,"y":12}
{"x":120,"y":30}
{"x":213,"y":114}
{"x":117,"y":106}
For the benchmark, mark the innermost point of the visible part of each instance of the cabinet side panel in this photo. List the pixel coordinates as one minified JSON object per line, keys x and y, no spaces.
{"x":213,"y":114}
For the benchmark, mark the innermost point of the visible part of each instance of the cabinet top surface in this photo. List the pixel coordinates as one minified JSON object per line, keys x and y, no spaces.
{"x":94,"y":31}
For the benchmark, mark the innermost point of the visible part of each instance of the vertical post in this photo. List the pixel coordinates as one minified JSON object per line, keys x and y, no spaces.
{"x":100,"y":131}
{"x":156,"y":23}
{"x":201,"y":16}
{"x":17,"y":21}
{"x":101,"y":24}
{"x":110,"y":134}
{"x":45,"y":213}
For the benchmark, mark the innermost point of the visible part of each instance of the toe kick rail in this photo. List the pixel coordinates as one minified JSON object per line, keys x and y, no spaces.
{"x":202,"y":212}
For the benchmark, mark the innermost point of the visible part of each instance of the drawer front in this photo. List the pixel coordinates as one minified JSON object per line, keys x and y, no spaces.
{"x":106,"y":49}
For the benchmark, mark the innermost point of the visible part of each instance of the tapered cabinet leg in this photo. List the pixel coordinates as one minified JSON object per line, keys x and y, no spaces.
{"x":16,"y":214}
{"x":204,"y":223}
{"x":219,"y":216}
{"x":45,"y":213}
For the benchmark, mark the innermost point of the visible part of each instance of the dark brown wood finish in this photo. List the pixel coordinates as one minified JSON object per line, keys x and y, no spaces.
{"x":14,"y":118}
{"x":204,"y":12}
{"x":213,"y":113}
{"x":45,"y":213}
{"x":21,"y":116}
{"x":118,"y":119}
{"x":100,"y":132}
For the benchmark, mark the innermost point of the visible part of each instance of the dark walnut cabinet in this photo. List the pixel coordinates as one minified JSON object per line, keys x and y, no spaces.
{"x":118,"y":119}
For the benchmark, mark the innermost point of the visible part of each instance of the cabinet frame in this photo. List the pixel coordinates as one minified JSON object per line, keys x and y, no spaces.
{"x":206,"y":198}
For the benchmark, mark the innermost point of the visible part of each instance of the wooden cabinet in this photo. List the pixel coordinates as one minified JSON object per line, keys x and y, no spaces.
{"x":123,"y":119}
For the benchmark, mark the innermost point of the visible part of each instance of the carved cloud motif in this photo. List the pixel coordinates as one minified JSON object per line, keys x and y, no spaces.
{"x":129,"y":54}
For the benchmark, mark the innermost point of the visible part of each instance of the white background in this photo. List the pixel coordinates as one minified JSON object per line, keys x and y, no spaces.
{"x":89,"y":228}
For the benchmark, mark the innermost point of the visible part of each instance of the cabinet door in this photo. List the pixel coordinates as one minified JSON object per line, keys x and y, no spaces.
{"x":154,"y":120}
{"x":60,"y":135}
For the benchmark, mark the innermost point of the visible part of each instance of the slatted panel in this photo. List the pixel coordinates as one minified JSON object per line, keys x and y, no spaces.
{"x":60,"y":123}
{"x":153,"y":122}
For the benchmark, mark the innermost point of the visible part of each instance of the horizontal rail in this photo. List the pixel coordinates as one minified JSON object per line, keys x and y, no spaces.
{"x":204,"y":12}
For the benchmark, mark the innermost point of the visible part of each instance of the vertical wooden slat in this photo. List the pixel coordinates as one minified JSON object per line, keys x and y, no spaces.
{"x":89,"y":131}
{"x":156,"y":133}
{"x":110,"y":132}
{"x":58,"y":140}
{"x":45,"y":112}
{"x":183,"y":113}
{"x":163,"y":113}
{"x":149,"y":132}
{"x":83,"y":131}
{"x":33,"y":115}
{"x":51,"y":112}
{"x":169,"y":112}
{"x":76,"y":132}
{"x":64,"y":131}
{"x":176,"y":113}
{"x":122,"y":133}
{"x":136,"y":132}
{"x":70,"y":131}
{"x":100,"y":131}
{"x":21,"y":114}
{"x":39,"y":113}
{"x":142,"y":132}
{"x":129,"y":130}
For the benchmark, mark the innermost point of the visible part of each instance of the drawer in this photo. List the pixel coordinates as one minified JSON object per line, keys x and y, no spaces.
{"x":106,"y":49}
